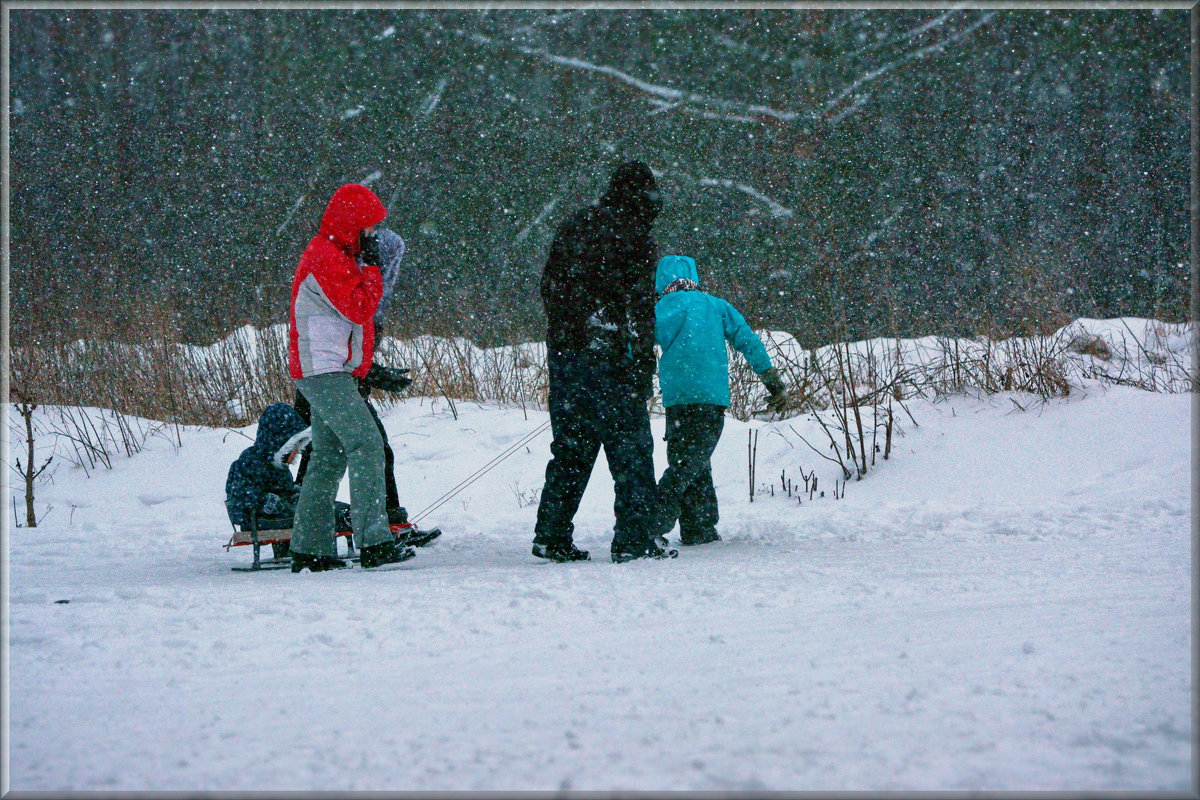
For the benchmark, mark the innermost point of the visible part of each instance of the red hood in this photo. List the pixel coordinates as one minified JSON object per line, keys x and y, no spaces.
{"x":352,"y":209}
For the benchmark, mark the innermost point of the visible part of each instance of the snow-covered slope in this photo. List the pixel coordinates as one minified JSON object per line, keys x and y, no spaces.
{"x":1002,"y":605}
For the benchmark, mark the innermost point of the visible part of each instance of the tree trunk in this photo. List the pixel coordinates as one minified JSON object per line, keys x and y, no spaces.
{"x":30,"y":471}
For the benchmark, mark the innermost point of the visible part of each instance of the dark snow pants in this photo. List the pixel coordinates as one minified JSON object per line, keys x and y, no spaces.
{"x":344,"y":436}
{"x":594,"y":404}
{"x":685,"y":491}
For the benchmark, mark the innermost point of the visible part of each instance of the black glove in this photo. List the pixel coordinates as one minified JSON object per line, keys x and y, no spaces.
{"x":388,"y":379}
{"x":777,"y":402}
{"x":369,"y":248}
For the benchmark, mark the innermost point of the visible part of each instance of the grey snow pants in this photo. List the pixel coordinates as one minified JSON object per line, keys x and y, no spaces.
{"x":344,"y":434}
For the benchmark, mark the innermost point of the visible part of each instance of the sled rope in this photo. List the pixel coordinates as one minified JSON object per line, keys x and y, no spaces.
{"x":479,"y":473}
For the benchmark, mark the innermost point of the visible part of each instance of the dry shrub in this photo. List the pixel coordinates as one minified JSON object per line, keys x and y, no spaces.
{"x":227,"y":384}
{"x":458,"y":370}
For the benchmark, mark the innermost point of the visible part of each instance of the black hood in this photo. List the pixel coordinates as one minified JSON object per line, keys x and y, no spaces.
{"x":632,"y":191}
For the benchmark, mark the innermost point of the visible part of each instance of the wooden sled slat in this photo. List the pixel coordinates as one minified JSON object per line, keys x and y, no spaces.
{"x":260,"y":538}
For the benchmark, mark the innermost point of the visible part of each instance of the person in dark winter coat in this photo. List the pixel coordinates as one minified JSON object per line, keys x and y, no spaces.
{"x":692,"y":327}
{"x":259,"y":490}
{"x":597,"y":289}
{"x":331,"y":342}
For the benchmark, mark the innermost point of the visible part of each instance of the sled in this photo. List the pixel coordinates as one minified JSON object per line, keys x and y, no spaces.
{"x":254,"y":537}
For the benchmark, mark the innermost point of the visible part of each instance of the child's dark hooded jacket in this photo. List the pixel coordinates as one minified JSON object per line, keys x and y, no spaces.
{"x":260,"y":480}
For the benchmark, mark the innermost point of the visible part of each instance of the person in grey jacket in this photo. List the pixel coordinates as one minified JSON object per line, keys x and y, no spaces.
{"x":331,"y":341}
{"x":384,"y":379}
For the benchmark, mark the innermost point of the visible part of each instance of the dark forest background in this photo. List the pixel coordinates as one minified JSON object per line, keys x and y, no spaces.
{"x":836,"y":173}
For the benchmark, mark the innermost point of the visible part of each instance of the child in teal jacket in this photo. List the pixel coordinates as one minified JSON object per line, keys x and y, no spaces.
{"x":692,"y":328}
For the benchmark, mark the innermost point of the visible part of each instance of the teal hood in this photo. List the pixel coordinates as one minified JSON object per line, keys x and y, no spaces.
{"x":672,"y":268}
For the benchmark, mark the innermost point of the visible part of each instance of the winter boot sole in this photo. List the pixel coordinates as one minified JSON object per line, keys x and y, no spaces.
{"x":302,"y":561}
{"x":419,"y":538}
{"x":372,"y":561}
{"x":560,"y":555}
{"x":625,"y":556}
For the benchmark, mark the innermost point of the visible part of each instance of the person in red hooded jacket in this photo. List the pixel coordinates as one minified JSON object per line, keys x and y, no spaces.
{"x":331,"y":339}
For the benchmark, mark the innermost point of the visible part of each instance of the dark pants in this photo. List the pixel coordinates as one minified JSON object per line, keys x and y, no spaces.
{"x":593,"y":404}
{"x":389,"y":458}
{"x":685,"y":491}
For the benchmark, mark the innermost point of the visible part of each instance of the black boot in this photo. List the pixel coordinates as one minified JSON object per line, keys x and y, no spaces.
{"x":654,"y":548}
{"x":397,"y":515}
{"x":376,"y":555}
{"x":414,"y":537}
{"x":303,"y":561}
{"x":561,"y":552}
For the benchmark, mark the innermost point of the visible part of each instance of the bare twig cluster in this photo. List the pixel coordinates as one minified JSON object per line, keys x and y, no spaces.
{"x":230,"y":382}
{"x":457,"y":369}
{"x":525,"y":497}
{"x":856,"y":413}
{"x":855,"y":375}
{"x":88,"y":438}
{"x":28,"y":471}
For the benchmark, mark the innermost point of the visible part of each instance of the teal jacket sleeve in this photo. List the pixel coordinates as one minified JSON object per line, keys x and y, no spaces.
{"x":745,"y":341}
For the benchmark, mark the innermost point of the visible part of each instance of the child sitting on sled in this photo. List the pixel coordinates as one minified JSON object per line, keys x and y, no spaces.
{"x":692,"y":328}
{"x":259,"y":490}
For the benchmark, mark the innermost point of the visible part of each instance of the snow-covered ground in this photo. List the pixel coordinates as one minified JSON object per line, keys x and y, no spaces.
{"x":1004,"y":604}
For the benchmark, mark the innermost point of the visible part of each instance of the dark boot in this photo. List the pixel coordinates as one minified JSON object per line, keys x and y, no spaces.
{"x":414,"y":537}
{"x":652,"y":549}
{"x":561,"y":552}
{"x":377,"y":555}
{"x":703,"y":537}
{"x":303,"y":561}
{"x":397,"y":515}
